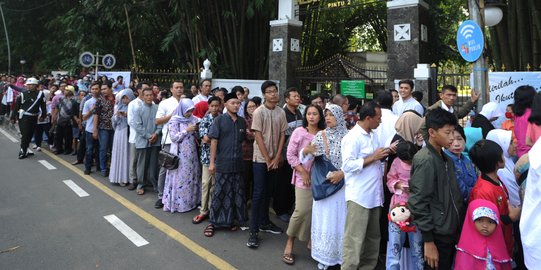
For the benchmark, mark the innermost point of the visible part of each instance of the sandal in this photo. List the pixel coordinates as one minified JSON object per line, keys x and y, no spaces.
{"x":140,"y":191}
{"x":288,"y":258}
{"x":199,"y":218}
{"x":209,"y":230}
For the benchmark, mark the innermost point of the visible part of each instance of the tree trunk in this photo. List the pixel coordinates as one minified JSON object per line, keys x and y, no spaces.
{"x":513,"y":36}
{"x":524,"y":34}
{"x":535,"y":7}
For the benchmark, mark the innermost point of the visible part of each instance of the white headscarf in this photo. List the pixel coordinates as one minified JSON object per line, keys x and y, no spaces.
{"x":503,"y":139}
{"x":491,"y":110}
{"x":334,"y":137}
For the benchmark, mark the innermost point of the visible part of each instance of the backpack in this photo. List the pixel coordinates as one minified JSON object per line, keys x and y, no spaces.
{"x":65,"y":112}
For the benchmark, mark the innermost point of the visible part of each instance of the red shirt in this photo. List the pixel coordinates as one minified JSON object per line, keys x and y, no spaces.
{"x":496,"y":192}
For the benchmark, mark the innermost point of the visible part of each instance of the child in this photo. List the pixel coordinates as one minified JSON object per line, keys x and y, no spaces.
{"x":434,"y":190}
{"x":213,"y":104}
{"x":398,"y":183}
{"x":465,"y":172}
{"x":481,"y":244}
{"x":487,"y":156}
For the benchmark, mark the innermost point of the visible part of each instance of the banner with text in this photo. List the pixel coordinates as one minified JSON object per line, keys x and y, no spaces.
{"x":502,"y":86}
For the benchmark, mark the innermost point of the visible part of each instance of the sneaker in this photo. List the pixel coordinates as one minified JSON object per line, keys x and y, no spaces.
{"x":271,"y":228}
{"x":22,"y":154}
{"x":104,"y":173}
{"x":253,"y":241}
{"x":87,"y":172}
{"x":158,"y":204}
{"x":38,"y":149}
{"x":35,"y":147}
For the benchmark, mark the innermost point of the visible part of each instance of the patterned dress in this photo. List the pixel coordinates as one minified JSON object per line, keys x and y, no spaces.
{"x":182,"y":191}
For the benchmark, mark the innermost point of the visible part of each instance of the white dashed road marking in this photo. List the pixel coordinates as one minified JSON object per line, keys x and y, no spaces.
{"x":47,"y":165}
{"x":126,"y":230}
{"x":11,"y":138}
{"x":78,"y":190}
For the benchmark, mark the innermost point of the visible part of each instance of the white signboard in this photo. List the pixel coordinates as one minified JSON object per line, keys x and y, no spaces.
{"x":253,"y":85}
{"x":114,"y":74}
{"x":502,"y":86}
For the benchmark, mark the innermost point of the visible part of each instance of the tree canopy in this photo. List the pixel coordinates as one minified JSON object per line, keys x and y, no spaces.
{"x":234,"y":34}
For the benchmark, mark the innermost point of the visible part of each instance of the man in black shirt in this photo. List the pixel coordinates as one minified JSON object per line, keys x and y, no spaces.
{"x":27,"y":109}
{"x":284,"y":192}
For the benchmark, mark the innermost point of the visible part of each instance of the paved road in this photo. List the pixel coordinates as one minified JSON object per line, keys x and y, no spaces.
{"x":46,"y":224}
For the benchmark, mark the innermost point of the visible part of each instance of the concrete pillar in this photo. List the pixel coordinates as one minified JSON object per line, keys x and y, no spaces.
{"x":285,"y":48}
{"x":422,"y":82}
{"x":407,"y":22}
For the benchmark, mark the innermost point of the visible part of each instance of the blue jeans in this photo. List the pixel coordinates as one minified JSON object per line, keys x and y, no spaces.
{"x":262,"y":191}
{"x":394,"y":248}
{"x":91,"y":144}
{"x":105,"y":136}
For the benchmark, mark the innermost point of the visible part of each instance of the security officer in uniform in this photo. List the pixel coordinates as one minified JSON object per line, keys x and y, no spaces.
{"x":28,"y":107}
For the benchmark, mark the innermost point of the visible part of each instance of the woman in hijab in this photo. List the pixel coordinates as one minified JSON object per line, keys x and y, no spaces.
{"x":482,"y":244}
{"x":408,"y":128}
{"x":119,"y":171}
{"x":483,"y":119}
{"x":329,"y":214}
{"x":182,"y":191}
{"x":200,"y":109}
{"x":504,"y":138}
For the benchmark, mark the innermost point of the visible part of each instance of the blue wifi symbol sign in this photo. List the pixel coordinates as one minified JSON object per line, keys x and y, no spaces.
{"x":470,"y":41}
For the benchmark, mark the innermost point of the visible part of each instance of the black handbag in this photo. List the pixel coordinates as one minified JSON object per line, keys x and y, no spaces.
{"x":167,"y":160}
{"x":321,"y":186}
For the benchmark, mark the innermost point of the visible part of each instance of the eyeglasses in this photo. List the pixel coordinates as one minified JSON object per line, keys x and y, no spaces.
{"x":275,"y":91}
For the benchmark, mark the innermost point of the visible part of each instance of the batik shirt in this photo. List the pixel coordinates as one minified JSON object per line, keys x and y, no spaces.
{"x":104,"y":110}
{"x":204,"y":127}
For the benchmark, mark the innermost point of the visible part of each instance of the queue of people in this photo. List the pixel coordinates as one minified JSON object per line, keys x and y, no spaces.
{"x":406,"y":187}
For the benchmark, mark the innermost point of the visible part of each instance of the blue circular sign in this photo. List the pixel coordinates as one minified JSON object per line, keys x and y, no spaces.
{"x":109,"y":61}
{"x":86,"y":59}
{"x":470,"y":41}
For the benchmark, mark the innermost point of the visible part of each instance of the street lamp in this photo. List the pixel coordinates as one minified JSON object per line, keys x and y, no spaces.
{"x":492,"y":13}
{"x":22,"y":65}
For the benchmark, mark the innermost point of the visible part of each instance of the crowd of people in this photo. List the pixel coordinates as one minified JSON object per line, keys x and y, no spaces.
{"x":411,"y":187}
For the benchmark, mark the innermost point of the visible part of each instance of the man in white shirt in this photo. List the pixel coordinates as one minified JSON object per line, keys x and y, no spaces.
{"x":386,"y":130}
{"x":131,"y":139}
{"x":164,"y":114}
{"x":407,"y":102}
{"x":204,"y":92}
{"x":363,"y":174}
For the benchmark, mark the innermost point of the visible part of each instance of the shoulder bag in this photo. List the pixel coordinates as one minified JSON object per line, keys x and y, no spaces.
{"x":321,"y":186}
{"x":167,"y":160}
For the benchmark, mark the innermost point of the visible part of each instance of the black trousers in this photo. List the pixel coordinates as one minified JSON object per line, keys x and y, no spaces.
{"x":81,"y":151}
{"x":38,"y":135}
{"x":27,"y":126}
{"x":283,"y":198}
{"x":447,"y":253}
{"x":63,"y":138}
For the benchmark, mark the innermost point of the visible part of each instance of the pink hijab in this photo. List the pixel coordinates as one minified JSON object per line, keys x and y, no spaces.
{"x":472,"y":247}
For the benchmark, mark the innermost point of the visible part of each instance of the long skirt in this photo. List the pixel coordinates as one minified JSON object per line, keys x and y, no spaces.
{"x":228,"y":203}
{"x":328,"y":224}
{"x":120,"y":162}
